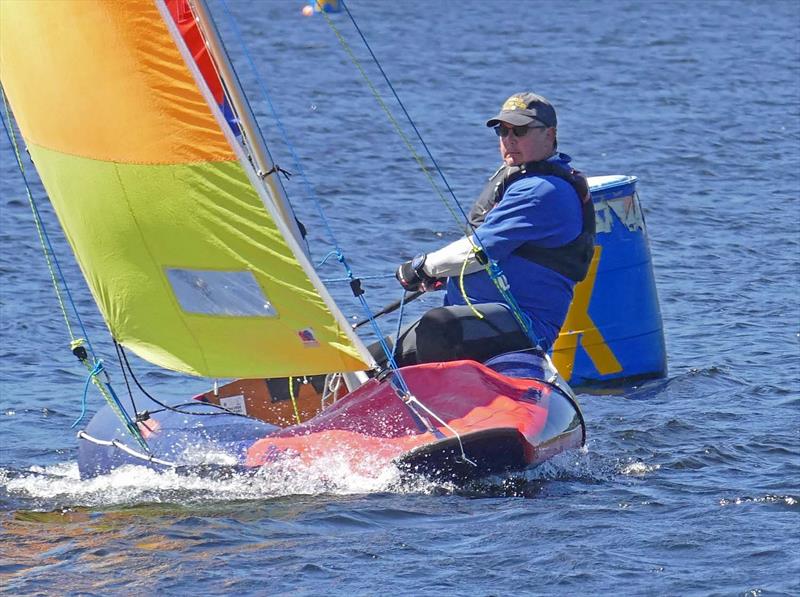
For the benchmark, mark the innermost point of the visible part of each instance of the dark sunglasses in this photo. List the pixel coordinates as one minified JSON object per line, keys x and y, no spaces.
{"x":519,"y":131}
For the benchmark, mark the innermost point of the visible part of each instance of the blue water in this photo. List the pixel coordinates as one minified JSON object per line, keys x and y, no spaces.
{"x":688,"y":485}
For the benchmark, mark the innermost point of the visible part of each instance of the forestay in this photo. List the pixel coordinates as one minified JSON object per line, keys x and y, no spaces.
{"x":164,"y":213}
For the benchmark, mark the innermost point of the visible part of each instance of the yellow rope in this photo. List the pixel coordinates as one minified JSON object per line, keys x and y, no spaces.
{"x":74,"y":342}
{"x":392,"y":119}
{"x":294,"y":402}
{"x":475,"y":312}
{"x":504,"y":291}
{"x":36,"y":220}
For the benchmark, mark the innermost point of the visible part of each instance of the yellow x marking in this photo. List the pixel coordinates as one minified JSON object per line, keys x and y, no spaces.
{"x":579,"y":328}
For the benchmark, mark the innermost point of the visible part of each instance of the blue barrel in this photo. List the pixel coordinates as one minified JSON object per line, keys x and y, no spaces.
{"x":613,"y":331}
{"x":327,"y":6}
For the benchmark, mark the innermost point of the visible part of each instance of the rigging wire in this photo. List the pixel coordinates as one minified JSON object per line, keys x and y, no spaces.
{"x":247,"y":144}
{"x":466,"y":229}
{"x":338,"y":252}
{"x":77,"y":345}
{"x":53,"y":264}
{"x":491,"y":267}
{"x":398,"y":381}
{"x":405,"y":112}
{"x":127,"y":365}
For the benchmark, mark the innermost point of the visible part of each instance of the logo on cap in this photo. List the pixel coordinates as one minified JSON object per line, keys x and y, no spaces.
{"x":515,"y":103}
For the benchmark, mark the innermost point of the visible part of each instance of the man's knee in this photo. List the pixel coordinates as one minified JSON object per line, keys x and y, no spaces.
{"x":440,"y":336}
{"x":453,"y":333}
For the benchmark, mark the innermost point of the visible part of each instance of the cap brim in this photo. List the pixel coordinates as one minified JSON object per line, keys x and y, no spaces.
{"x":514,"y":118}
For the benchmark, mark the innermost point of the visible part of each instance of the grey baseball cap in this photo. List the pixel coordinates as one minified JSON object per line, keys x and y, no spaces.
{"x":523,"y":108}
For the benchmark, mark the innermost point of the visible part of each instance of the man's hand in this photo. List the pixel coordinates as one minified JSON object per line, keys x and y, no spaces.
{"x":412,"y":276}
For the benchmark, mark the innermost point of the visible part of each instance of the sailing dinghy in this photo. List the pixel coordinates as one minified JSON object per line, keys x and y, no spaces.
{"x":157,"y":173}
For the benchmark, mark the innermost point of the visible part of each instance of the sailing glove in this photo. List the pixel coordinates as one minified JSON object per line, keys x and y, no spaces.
{"x":412,"y":276}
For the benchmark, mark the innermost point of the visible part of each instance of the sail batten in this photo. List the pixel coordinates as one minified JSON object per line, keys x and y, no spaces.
{"x":169,"y":227}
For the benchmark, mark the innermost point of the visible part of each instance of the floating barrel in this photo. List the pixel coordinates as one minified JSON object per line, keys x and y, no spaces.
{"x":327,"y":6}
{"x":613,"y":331}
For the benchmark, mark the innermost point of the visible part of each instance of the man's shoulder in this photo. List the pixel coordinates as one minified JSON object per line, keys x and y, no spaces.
{"x":542,"y":186}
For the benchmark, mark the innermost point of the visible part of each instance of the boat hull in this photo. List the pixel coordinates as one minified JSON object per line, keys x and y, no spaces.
{"x":463,"y":420}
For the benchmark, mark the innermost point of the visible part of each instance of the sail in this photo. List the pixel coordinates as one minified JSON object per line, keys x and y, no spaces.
{"x":156,"y":199}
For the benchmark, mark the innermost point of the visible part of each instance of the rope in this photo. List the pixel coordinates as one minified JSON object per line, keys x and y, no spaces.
{"x":475,"y":312}
{"x":53,"y":264}
{"x":109,"y":395}
{"x":337,"y":251}
{"x":294,"y":402}
{"x":492,"y":269}
{"x":375,"y":277}
{"x":163,"y":406}
{"x":399,"y":323}
{"x":392,"y":119}
{"x":120,"y":446}
{"x":446,"y":426}
{"x":125,"y":377}
{"x":97,"y":369}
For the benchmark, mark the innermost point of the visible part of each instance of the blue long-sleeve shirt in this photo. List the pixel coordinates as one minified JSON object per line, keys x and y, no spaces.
{"x":546,"y":211}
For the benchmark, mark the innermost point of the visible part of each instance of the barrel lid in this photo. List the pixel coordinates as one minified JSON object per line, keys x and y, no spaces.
{"x":602,"y":183}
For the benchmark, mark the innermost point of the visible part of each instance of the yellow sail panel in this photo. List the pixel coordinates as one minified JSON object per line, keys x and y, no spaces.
{"x":104,"y":79}
{"x":189,"y":270}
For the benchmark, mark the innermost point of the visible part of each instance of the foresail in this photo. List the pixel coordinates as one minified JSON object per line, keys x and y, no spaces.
{"x":188,"y":268}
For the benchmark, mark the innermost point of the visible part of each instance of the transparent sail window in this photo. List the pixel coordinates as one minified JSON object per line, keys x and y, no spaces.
{"x":231,"y":294}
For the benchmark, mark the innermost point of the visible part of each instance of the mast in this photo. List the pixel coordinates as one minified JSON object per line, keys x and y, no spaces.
{"x":247,"y":120}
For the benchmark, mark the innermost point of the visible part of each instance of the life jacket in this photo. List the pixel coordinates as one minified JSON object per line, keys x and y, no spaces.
{"x":570,"y":260}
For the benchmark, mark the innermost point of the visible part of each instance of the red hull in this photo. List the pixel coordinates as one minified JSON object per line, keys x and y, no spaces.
{"x":503,"y":423}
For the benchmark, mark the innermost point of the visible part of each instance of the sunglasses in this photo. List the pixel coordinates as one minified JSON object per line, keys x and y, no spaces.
{"x":519,"y":131}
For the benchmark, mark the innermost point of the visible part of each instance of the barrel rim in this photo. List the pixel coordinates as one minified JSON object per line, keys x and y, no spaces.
{"x":610,"y":181}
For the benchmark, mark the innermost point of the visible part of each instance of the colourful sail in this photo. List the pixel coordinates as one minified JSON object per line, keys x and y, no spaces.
{"x":187,"y":266}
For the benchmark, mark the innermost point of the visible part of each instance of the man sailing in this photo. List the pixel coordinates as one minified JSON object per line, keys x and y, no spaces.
{"x":535,"y":218}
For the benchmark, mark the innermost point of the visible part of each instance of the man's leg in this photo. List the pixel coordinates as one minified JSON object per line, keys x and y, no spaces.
{"x":455,"y":332}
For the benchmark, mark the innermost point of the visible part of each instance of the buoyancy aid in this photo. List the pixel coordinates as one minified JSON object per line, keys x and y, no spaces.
{"x":570,"y":260}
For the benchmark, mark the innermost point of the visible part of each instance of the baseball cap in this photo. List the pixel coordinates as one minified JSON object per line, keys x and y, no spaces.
{"x":523,"y":108}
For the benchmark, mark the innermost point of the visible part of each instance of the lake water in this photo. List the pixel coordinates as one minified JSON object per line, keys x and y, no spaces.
{"x":688,"y":485}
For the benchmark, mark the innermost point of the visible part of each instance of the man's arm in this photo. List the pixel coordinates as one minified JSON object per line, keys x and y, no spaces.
{"x":427,"y":272}
{"x":448,"y":261}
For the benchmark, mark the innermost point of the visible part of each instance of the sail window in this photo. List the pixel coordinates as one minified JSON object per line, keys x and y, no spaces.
{"x":231,"y":294}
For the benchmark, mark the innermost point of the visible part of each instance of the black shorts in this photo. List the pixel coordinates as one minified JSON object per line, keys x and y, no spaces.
{"x":454,"y":333}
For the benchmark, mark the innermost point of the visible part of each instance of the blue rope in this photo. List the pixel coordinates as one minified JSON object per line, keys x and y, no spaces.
{"x":399,"y":323}
{"x":337,"y":252}
{"x":38,"y":217}
{"x":407,"y":115}
{"x":325,"y":259}
{"x":97,"y":369}
{"x":495,"y":273}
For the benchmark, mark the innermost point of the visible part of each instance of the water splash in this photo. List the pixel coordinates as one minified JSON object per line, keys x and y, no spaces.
{"x":60,"y":486}
{"x":638,"y":469}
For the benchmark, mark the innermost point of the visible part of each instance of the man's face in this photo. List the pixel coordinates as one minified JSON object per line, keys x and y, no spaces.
{"x":536,"y":144}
